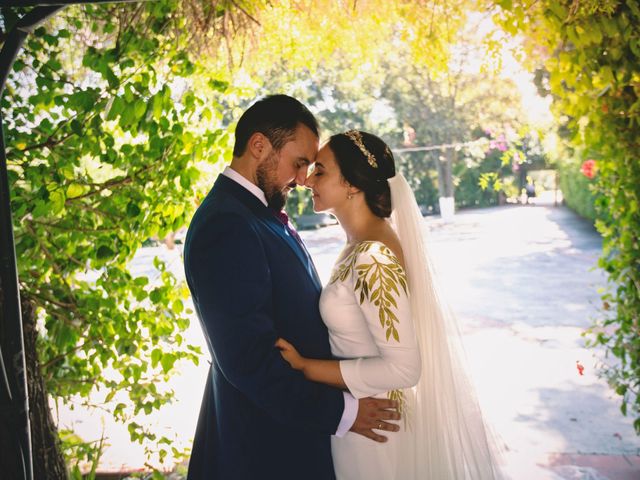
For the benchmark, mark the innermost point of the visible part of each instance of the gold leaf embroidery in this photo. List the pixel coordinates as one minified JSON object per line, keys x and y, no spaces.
{"x":377,"y":282}
{"x":403,"y":409}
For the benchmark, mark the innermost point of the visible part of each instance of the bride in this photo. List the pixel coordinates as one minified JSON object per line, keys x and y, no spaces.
{"x":388,"y":328}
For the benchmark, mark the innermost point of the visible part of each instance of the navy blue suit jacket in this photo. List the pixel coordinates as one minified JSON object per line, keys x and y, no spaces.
{"x":251,"y":282}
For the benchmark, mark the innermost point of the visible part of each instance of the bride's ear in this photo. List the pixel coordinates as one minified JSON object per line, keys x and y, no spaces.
{"x":351,"y":190}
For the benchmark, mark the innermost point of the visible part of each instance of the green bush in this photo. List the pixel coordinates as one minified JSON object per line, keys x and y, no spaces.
{"x":577,"y":190}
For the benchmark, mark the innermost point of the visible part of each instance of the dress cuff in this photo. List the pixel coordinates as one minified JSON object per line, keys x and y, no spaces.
{"x":349,"y":370}
{"x":349,"y":415}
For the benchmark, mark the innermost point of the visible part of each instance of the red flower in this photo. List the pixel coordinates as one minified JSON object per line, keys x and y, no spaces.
{"x":580,"y":367}
{"x":588,"y":168}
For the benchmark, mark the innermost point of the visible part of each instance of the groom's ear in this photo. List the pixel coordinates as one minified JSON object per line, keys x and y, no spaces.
{"x":259,"y":146}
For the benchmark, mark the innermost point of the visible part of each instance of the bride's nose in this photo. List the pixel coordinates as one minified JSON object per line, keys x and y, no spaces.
{"x":309,"y":181}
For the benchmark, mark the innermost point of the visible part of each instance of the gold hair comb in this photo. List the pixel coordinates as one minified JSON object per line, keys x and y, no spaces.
{"x":356,"y":136}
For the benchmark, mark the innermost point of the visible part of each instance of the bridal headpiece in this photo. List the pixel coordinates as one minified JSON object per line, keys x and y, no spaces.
{"x":356,"y":137}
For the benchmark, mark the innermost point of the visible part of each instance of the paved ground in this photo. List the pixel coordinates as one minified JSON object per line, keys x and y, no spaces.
{"x":522,"y":283}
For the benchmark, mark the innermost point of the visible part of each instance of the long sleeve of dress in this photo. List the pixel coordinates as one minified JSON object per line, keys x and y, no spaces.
{"x":380,"y":287}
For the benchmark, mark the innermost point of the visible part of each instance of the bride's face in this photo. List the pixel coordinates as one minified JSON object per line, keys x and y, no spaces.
{"x":326,"y":183}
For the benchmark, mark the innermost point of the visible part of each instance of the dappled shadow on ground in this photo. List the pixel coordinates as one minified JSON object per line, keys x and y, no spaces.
{"x":562,"y":415}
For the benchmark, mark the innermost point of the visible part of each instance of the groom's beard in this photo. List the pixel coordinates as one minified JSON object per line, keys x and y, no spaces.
{"x":267,"y":178}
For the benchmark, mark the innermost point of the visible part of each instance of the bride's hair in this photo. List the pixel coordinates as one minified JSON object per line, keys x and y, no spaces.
{"x":358,"y":169}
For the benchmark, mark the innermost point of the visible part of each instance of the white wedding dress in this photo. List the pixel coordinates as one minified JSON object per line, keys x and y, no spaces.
{"x":366,"y":309}
{"x":391,"y":330}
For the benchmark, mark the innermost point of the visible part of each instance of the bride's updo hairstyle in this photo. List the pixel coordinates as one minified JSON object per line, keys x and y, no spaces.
{"x":366,"y":162}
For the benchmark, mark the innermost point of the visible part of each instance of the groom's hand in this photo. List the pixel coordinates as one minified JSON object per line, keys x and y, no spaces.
{"x":373,"y":414}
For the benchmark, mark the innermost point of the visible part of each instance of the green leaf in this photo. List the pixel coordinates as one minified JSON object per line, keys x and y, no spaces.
{"x":140,"y":108}
{"x":111,"y":78}
{"x":117,"y":106}
{"x":177,"y":307}
{"x":104,"y":252}
{"x":74,"y":190}
{"x":155,"y":296}
{"x":65,"y":338}
{"x":76,"y":127}
{"x":57,"y":199}
{"x":156,"y":355}
{"x":126,"y":117}
{"x":218,"y":85}
{"x":559,"y":10}
{"x":167,"y":361}
{"x":157,"y":106}
{"x":129,"y":94}
{"x":110,"y":396}
{"x":634,"y":7}
{"x":133,"y":210}
{"x":90,"y":58}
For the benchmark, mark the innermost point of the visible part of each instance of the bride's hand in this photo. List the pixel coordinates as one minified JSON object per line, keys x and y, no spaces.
{"x":290,"y":354}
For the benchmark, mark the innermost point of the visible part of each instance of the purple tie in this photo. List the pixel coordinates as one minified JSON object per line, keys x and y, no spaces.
{"x":284,"y":218}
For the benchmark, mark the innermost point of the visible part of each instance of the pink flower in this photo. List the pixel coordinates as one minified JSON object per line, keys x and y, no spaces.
{"x":580,"y":367}
{"x":499,"y":143}
{"x":589,"y":168}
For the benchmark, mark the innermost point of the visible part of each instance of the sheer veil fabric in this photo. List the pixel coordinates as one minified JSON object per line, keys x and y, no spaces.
{"x":448,"y":435}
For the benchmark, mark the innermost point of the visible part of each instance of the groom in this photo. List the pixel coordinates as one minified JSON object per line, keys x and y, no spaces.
{"x":252,"y":281}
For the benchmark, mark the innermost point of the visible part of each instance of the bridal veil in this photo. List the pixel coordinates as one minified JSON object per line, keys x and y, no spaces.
{"x":450,"y":439}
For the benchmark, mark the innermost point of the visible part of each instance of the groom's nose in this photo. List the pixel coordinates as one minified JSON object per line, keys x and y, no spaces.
{"x":301,"y":176}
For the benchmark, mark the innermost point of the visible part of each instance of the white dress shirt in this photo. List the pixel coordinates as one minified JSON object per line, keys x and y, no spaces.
{"x":350,"y":402}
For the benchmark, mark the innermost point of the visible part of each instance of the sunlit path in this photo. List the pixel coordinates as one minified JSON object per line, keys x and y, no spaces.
{"x":521,"y":282}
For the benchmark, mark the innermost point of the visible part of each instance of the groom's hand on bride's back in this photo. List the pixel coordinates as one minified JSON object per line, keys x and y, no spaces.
{"x":374,"y":415}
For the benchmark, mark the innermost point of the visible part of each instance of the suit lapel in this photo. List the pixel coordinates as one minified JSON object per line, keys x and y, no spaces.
{"x":316,"y":277}
{"x":267,"y":218}
{"x":301,"y":252}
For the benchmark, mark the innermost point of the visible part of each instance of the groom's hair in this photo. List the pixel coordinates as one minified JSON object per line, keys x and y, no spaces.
{"x":276,"y":117}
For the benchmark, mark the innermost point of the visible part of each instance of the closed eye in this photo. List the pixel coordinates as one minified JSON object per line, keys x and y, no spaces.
{"x":302,"y":163}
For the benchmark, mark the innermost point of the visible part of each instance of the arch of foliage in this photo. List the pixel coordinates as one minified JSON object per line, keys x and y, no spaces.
{"x":112,"y":109}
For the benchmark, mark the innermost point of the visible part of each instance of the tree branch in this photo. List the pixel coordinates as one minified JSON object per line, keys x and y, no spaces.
{"x":48,"y":143}
{"x":73,"y":229}
{"x":57,"y":303}
{"x":111,"y":184}
{"x":62,"y":356}
{"x":247,"y":13}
